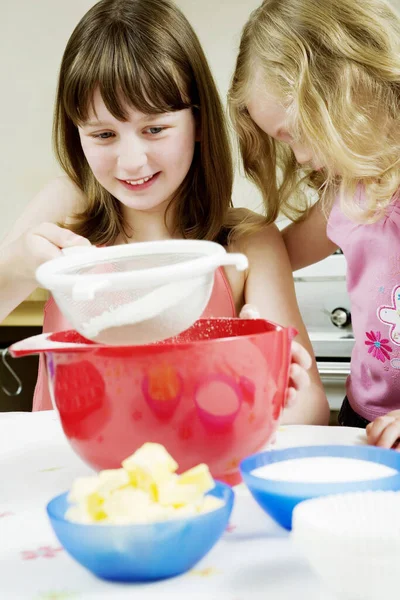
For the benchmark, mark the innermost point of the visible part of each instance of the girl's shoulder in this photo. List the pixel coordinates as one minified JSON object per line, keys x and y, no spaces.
{"x":70,"y":199}
{"x":57,"y":202}
{"x":249,"y":230}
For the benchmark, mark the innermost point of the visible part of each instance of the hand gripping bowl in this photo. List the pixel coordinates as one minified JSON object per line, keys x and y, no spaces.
{"x":213,"y":394}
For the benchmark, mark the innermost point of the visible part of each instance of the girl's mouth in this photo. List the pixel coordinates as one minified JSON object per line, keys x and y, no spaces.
{"x":140,"y":184}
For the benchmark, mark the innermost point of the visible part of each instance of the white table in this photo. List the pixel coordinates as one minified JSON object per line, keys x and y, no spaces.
{"x":254,"y":560}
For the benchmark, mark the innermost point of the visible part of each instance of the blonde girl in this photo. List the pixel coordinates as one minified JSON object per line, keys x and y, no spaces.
{"x":316,"y":103}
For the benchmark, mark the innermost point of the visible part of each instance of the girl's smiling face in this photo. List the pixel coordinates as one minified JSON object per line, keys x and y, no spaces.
{"x":141,"y":161}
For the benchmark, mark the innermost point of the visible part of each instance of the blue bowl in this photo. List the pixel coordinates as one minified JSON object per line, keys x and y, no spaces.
{"x":141,"y":552}
{"x":278,"y":498}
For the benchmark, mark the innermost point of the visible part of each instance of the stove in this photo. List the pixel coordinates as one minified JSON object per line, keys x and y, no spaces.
{"x":325,"y":308}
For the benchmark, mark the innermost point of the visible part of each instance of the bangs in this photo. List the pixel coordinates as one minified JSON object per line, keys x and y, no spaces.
{"x":128,"y":73}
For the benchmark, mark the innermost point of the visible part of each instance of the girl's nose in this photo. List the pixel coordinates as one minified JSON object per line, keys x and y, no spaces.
{"x":132,"y":156}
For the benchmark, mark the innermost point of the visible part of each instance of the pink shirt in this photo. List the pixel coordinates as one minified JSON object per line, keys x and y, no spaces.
{"x":221,"y":304}
{"x":372,"y":253}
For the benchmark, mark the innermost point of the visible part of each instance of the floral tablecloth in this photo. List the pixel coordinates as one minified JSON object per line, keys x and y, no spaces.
{"x":254,"y":559}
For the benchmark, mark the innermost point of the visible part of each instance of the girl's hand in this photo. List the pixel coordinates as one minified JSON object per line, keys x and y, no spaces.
{"x":301,"y":361}
{"x":385,"y":431}
{"x":42,"y":243}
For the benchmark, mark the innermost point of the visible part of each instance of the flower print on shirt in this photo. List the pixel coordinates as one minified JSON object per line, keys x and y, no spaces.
{"x":378,"y":347}
{"x":390,"y":315}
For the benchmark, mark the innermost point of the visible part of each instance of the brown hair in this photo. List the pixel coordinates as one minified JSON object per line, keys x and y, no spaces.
{"x":144,"y":54}
{"x":335,"y":66}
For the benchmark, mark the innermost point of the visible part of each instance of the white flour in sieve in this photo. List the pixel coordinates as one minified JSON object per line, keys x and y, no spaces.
{"x":323,"y":469}
{"x":125,"y":314}
{"x":149,"y":306}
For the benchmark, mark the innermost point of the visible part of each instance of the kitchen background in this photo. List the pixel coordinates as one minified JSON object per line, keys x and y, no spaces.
{"x":32,"y":38}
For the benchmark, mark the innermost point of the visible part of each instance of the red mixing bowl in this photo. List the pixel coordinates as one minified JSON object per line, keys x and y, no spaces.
{"x":213,"y":394}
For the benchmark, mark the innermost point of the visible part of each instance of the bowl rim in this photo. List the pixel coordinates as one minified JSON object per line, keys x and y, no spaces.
{"x":309,"y":489}
{"x":55,"y":346}
{"x":220,"y":488}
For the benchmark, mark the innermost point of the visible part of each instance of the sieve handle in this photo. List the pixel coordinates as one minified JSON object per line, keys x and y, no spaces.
{"x":38,"y":344}
{"x":237,"y":259}
{"x":87,"y":290}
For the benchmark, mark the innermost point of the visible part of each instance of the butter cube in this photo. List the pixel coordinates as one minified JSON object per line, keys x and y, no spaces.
{"x":79,"y":514}
{"x":210,"y":503}
{"x":126,"y":504}
{"x":94,"y":507}
{"x":151,"y":460}
{"x":150,"y":466}
{"x":142,"y":480}
{"x":156,"y":512}
{"x":184,"y":512}
{"x":174,"y":493}
{"x":126,"y":509}
{"x":82,"y":487}
{"x":199,"y":476}
{"x":110,"y":480}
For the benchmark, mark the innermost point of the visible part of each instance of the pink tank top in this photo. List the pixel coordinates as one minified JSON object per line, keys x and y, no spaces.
{"x":221,"y":304}
{"x":372,"y":253}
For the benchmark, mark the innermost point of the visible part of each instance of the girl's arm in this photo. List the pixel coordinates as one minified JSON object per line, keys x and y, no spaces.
{"x":269,"y":287}
{"x":307,"y":241}
{"x":35,"y":238}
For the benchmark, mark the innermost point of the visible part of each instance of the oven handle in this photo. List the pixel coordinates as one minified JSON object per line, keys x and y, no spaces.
{"x":307,"y":278}
{"x":327,"y":371}
{"x":332,"y":369}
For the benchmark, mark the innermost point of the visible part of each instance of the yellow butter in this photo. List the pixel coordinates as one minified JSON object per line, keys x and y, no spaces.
{"x":199,"y":476}
{"x":110,"y":480}
{"x":142,"y":480}
{"x":210,"y":503}
{"x":94,"y":507}
{"x":146,"y":489}
{"x":184,"y":512}
{"x":126,"y":503}
{"x":151,"y":460}
{"x":174,"y":493}
{"x":79,"y":514}
{"x":82,"y":487}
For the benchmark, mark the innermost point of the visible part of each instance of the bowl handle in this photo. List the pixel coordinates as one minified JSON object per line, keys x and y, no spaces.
{"x":4,"y":354}
{"x":37,"y":344}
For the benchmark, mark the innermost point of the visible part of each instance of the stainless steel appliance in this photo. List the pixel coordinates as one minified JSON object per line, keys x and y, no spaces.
{"x":325,"y":307}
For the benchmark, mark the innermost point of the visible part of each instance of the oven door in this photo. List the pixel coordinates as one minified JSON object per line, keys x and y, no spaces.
{"x":333,"y":374}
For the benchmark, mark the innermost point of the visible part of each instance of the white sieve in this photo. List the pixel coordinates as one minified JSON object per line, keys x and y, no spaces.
{"x":135,"y":293}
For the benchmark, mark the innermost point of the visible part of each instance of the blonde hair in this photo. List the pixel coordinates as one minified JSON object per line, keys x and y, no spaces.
{"x":144,"y":54}
{"x":335,"y":65}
